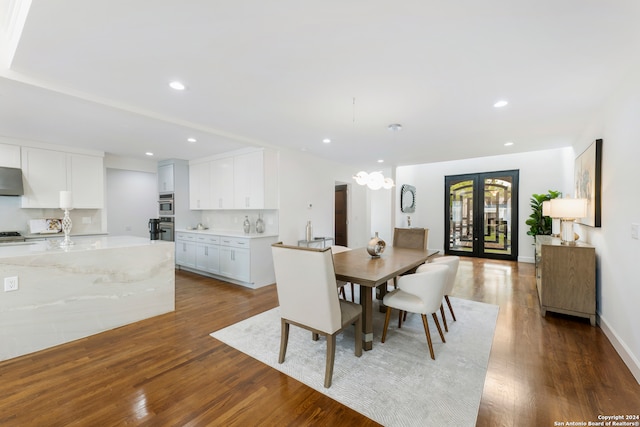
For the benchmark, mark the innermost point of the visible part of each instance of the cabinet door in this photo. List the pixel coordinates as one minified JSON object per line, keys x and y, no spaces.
{"x":200,"y":186}
{"x":207,"y":258}
{"x":165,"y":178}
{"x":86,"y":176}
{"x":222,"y":184}
{"x":186,"y":254}
{"x":45,"y":175}
{"x":235,"y":263}
{"x":248,"y":181}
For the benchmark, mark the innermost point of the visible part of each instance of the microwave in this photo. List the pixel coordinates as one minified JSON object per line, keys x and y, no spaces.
{"x":166,"y":204}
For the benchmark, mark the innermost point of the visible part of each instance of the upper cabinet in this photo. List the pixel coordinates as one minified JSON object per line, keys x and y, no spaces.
{"x":247,"y":180}
{"x":200,"y":185}
{"x":166,"y":178}
{"x":222,"y":183}
{"x":47,"y":172}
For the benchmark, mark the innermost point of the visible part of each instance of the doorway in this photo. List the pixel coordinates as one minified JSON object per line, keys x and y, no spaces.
{"x":481,"y":215}
{"x":340,"y":215}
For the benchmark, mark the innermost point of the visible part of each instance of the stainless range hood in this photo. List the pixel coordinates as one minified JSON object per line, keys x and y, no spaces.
{"x":11,"y":182}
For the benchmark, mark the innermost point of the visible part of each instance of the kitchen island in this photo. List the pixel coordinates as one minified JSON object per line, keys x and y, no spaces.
{"x":65,"y":294}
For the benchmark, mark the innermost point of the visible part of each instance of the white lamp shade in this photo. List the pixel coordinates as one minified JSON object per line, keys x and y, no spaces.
{"x":376,"y":181}
{"x":361,"y":177}
{"x":568,"y":208}
{"x":388,"y":183}
{"x":66,"y":201}
{"x":546,"y":208}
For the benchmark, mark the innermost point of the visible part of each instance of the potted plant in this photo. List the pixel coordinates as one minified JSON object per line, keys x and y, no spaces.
{"x":537,"y":222}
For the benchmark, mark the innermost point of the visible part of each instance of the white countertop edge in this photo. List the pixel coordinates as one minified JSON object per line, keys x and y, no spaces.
{"x":227,"y":233}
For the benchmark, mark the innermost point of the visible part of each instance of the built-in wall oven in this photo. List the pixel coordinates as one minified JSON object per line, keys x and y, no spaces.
{"x":166,"y":204}
{"x":167,"y":228}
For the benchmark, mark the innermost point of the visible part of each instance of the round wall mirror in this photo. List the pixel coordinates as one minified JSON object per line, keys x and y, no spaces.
{"x":407,"y":198}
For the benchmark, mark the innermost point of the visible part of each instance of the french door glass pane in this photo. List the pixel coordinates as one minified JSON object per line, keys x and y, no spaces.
{"x":497,"y":215}
{"x":461,"y":216}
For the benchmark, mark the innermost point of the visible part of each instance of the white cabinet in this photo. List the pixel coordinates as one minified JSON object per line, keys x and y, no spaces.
{"x":44,"y":174}
{"x":235,"y":258}
{"x":10,"y":156}
{"x":207,"y":254}
{"x":47,"y":172}
{"x":186,"y":250}
{"x":166,"y":178}
{"x":244,"y":181}
{"x":86,"y":181}
{"x":255,"y":180}
{"x":200,"y":186}
{"x":222,"y":183}
{"x":245,"y":261}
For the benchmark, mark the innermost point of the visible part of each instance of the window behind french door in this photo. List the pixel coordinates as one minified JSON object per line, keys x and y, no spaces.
{"x":481,"y":215}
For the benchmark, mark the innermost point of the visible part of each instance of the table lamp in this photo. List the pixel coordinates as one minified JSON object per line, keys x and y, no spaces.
{"x":567,"y":210}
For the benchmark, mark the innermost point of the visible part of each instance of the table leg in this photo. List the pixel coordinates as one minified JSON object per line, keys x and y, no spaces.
{"x":366,"y":300}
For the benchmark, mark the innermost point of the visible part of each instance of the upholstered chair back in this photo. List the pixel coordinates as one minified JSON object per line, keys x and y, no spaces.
{"x":453,"y":262}
{"x":307,"y":288}
{"x":411,"y":238}
{"x":428,"y":285}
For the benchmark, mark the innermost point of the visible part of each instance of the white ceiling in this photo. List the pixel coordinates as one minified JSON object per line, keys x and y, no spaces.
{"x":289,"y":73}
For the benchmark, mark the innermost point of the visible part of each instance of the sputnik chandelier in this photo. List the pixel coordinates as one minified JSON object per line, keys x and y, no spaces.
{"x":373,"y":180}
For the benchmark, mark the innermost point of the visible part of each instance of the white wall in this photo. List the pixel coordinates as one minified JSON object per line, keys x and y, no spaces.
{"x":306,"y":180}
{"x":132,"y":198}
{"x":540,"y":171}
{"x":618,"y":254}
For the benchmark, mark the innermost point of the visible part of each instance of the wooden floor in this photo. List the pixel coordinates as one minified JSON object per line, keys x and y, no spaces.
{"x":168,"y":371}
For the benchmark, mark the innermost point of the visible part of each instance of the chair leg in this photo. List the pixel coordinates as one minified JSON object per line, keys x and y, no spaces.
{"x":284,"y":339}
{"x":331,"y":355}
{"x":353,"y":294}
{"x":314,"y":336}
{"x":435,"y":318}
{"x":386,"y":324}
{"x":400,"y":319}
{"x":404,"y":318}
{"x":444,"y":319}
{"x":358,"y":336}
{"x":341,"y":293}
{"x":446,"y":297}
{"x":426,"y":331}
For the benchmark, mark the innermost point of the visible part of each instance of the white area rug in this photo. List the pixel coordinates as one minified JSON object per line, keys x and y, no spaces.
{"x":396,"y":383}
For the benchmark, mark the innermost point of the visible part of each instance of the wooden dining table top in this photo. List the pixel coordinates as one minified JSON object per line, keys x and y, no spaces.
{"x":357,"y":266}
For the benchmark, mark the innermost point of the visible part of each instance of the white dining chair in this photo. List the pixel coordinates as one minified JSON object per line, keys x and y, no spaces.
{"x":306,"y":286}
{"x":420,"y":293}
{"x":453,"y":262}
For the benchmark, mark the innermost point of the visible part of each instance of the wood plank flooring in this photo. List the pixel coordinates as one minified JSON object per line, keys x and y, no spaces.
{"x":168,"y":371}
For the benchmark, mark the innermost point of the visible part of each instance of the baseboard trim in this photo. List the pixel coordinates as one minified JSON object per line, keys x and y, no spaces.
{"x":627,"y":357}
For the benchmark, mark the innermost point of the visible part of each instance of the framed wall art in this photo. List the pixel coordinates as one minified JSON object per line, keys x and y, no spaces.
{"x":588,"y":182}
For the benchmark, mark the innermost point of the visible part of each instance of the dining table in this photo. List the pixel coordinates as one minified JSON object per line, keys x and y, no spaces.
{"x":359,"y":267}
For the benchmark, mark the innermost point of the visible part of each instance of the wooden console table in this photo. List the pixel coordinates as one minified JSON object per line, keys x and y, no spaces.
{"x":566,"y":277}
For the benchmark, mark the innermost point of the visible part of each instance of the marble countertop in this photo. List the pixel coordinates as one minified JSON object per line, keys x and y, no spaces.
{"x":227,"y":233}
{"x":81,"y":244}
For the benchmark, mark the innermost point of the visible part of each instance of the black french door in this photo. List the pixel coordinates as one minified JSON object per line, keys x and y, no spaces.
{"x":481,"y":215}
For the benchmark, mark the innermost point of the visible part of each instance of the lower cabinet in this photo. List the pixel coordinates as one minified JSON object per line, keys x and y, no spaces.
{"x":185,"y":250}
{"x":246,"y":261}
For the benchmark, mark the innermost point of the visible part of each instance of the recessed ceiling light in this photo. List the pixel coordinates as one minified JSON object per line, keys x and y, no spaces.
{"x":500,"y":104}
{"x":326,"y":140}
{"x":177,"y":85}
{"x":380,"y":161}
{"x":148,"y":153}
{"x":395,"y":127}
{"x":191,"y":139}
{"x":508,"y":143}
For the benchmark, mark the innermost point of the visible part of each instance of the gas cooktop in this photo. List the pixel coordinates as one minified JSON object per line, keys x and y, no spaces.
{"x":11,"y":236}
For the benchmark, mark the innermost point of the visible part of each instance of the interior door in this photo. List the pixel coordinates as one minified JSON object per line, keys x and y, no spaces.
{"x":482,"y":215}
{"x":340,"y":214}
